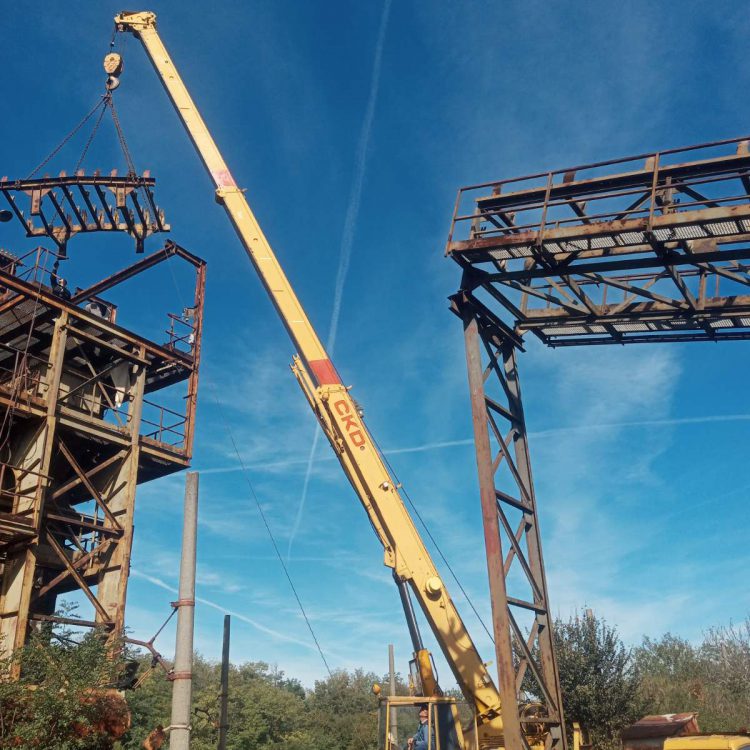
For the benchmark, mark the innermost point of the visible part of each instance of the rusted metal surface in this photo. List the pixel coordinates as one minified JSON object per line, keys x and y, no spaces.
{"x":521,"y":620}
{"x":78,"y":438}
{"x":645,"y":249}
{"x":493,"y":546}
{"x":662,"y":725}
{"x":61,"y":207}
{"x":650,"y":732}
{"x":652,"y":248}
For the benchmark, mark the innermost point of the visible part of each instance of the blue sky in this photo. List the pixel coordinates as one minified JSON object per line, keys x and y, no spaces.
{"x":637,"y":452}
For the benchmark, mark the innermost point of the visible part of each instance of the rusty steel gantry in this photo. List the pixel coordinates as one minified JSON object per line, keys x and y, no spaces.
{"x":78,"y":428}
{"x":652,"y":248}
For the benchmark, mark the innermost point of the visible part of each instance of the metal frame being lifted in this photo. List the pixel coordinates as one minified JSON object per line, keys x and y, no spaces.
{"x":653,"y":248}
{"x":61,"y":207}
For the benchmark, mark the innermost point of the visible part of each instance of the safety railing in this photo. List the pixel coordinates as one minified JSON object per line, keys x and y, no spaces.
{"x":676,"y":181}
{"x":163,"y":424}
{"x":181,"y":333}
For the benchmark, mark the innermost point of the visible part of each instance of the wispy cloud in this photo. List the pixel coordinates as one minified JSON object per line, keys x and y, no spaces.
{"x":588,"y":428}
{"x":225,"y":610}
{"x":347,"y":240}
{"x":355,"y":195}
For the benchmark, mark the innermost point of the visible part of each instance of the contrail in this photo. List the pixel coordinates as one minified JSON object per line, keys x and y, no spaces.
{"x":269,"y":631}
{"x":551,"y":432}
{"x":347,"y":240}
{"x":670,"y":422}
{"x":355,"y":196}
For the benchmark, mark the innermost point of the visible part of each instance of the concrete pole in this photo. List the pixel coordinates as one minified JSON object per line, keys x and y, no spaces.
{"x":182,"y":685}
{"x":223,"y":698}
{"x":392,"y":673}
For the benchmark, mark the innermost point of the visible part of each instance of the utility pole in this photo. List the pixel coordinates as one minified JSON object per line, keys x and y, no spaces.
{"x":392,"y":672}
{"x":182,"y":675}
{"x":223,"y":716}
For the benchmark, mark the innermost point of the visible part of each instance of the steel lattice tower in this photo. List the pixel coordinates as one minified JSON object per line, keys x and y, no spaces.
{"x":652,"y":248}
{"x":78,"y":427}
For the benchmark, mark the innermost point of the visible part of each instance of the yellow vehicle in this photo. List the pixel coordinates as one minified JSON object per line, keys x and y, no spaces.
{"x":341,"y":421}
{"x":708,"y":742}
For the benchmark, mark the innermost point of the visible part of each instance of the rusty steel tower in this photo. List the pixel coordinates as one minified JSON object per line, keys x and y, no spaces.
{"x":89,"y":409}
{"x":652,"y":248}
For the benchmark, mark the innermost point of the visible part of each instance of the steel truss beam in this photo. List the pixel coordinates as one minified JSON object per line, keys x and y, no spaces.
{"x":648,"y":248}
{"x":61,"y":207}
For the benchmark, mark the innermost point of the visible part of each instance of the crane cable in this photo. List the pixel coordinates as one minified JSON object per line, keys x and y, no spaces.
{"x":70,"y":135}
{"x":403,"y":490}
{"x":253,"y":494}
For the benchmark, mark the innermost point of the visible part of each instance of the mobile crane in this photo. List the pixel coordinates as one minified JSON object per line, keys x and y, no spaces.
{"x":341,"y":420}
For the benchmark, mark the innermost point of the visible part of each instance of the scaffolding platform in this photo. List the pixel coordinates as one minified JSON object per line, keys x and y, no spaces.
{"x":89,"y":409}
{"x":649,"y":248}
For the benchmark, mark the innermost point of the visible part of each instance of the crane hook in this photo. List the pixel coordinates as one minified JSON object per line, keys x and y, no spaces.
{"x":113,"y":68}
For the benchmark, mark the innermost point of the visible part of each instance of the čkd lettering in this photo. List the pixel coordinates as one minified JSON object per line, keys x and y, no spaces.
{"x":350,"y":423}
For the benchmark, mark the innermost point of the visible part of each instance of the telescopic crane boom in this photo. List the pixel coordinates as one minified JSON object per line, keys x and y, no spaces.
{"x":339,"y":416}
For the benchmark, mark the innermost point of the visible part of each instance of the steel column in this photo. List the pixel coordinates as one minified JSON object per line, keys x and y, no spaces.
{"x":525,"y":655}
{"x":498,"y":595}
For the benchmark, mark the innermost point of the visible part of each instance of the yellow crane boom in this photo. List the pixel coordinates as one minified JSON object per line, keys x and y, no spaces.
{"x":335,"y":409}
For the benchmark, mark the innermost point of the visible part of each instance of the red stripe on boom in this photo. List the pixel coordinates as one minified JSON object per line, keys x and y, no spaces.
{"x":324,"y":372}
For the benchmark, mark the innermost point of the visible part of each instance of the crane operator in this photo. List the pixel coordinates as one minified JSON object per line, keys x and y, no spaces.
{"x":421,"y":738}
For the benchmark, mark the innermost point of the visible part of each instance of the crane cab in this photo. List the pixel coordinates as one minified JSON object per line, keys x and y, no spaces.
{"x":450,"y":723}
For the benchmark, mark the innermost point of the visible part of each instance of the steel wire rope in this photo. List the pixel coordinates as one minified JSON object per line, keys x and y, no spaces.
{"x":69,"y":136}
{"x":246,"y":474}
{"x":121,"y":135}
{"x":248,"y":480}
{"x":94,"y":131}
{"x":258,"y":505}
{"x":429,"y":534}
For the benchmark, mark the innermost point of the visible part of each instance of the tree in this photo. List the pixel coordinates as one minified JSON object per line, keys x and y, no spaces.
{"x":343,"y":711}
{"x":64,"y":699}
{"x":712,"y":678}
{"x":672,"y":674}
{"x":599,"y":679}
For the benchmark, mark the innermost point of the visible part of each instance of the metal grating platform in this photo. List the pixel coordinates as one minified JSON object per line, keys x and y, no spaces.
{"x":648,"y":248}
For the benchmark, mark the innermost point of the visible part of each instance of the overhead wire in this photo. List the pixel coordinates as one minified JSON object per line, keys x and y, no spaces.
{"x":253,"y":494}
{"x":405,"y":493}
{"x":271,"y":536}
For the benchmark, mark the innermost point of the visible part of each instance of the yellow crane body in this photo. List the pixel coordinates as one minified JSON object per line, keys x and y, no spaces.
{"x":336,"y":411}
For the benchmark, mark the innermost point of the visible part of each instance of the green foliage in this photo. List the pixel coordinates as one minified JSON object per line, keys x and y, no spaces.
{"x":343,"y":711}
{"x":599,"y":679}
{"x":712,"y":678}
{"x":605,"y":688}
{"x":672,"y":672}
{"x":266,"y":709}
{"x":55,"y":703}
